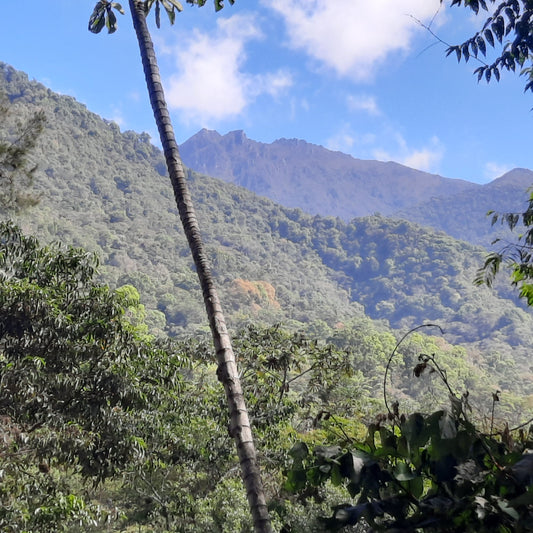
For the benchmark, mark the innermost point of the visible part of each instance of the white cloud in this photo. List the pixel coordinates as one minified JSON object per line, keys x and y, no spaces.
{"x":495,"y":170}
{"x":345,"y":140}
{"x":341,"y":142}
{"x":353,"y":37}
{"x":210,"y":83}
{"x":117,"y":116}
{"x":363,"y":102}
{"x":426,"y":158}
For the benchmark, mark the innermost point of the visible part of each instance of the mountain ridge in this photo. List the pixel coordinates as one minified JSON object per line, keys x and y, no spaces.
{"x":296,"y":173}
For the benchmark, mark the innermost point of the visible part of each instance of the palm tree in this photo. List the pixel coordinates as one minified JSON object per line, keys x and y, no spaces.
{"x":227,"y":369}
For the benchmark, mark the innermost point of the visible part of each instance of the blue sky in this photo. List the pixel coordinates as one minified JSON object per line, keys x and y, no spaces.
{"x":352,"y":75}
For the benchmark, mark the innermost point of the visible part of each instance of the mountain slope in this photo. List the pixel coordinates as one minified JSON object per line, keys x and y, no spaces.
{"x":464,"y":215}
{"x":106,"y":191}
{"x":298,"y":174}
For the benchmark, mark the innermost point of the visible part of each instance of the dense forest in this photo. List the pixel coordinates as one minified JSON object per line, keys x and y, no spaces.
{"x":122,"y":427}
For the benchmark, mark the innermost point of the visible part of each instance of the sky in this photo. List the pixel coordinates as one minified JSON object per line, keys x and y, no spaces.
{"x":364,"y":77}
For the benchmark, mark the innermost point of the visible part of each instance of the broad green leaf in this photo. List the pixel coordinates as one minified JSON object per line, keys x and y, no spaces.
{"x":97,"y":19}
{"x":299,"y":451}
{"x":336,"y":478}
{"x":111,"y":22}
{"x":402,"y":472}
{"x":416,"y":486}
{"x":414,"y":430}
{"x":352,"y":463}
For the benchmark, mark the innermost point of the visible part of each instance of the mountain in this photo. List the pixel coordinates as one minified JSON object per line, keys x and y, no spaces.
{"x":107,"y":191}
{"x":464,"y":215}
{"x":295,"y":173}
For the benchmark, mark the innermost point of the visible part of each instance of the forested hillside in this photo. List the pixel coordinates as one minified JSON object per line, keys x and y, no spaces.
{"x":464,"y":215}
{"x":109,"y":424}
{"x":105,"y":190}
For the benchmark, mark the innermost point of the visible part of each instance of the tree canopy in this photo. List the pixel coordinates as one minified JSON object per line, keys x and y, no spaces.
{"x":17,"y":139}
{"x":509,"y":29}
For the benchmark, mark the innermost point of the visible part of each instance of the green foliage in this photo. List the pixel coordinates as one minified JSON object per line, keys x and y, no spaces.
{"x":90,"y":394}
{"x":81,"y":382}
{"x":324,"y":272}
{"x":103,"y":15}
{"x":322,"y":269}
{"x":434,"y":472}
{"x":17,"y":140}
{"x":510,"y":21}
{"x":517,"y":257}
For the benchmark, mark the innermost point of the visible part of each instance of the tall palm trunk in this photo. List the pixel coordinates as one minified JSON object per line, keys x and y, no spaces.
{"x":227,"y":369}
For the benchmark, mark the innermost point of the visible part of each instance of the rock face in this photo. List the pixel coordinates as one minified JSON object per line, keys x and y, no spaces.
{"x":319,"y":181}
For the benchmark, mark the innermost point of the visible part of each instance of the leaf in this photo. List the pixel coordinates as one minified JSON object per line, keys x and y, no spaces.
{"x":414,"y":430}
{"x":299,"y":451}
{"x":510,"y":16}
{"x":489,"y":37}
{"x":176,"y":4}
{"x":504,"y":506}
{"x":157,"y":14}
{"x":466,"y":53}
{"x":481,"y":45}
{"x":111,"y":21}
{"x":416,"y":486}
{"x":448,"y":429}
{"x":327,"y":452}
{"x":296,"y":480}
{"x":351,"y":465}
{"x":336,"y":478}
{"x":118,"y":7}
{"x":97,"y":20}
{"x":450,"y":50}
{"x":169,"y":10}
{"x":402,"y":472}
{"x":498,"y":27}
{"x":473,"y":47}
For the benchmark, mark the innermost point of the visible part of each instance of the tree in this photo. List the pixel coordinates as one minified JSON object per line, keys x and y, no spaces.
{"x":82,"y":384}
{"x":16,"y":174}
{"x":510,"y":27}
{"x":433,"y":472}
{"x":517,"y":257}
{"x":239,"y":428}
